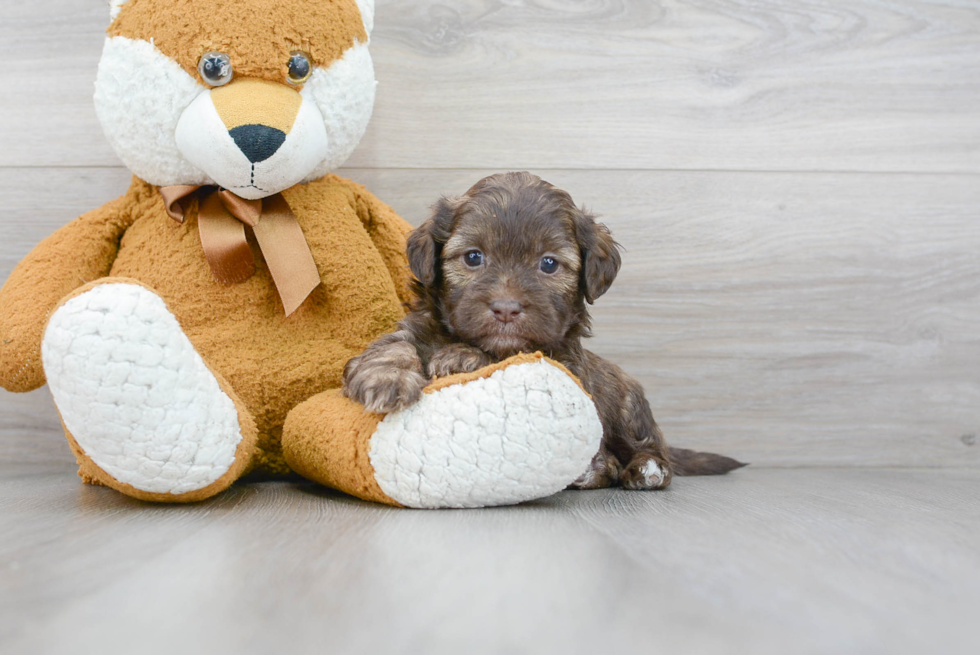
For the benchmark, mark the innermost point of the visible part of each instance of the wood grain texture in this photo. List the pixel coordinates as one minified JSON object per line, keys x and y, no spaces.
{"x":622,"y":84}
{"x":763,"y":561}
{"x":792,"y":319}
{"x":788,"y":320}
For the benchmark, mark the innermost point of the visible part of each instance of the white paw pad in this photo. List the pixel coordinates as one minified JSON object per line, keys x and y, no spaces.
{"x":653,"y":475}
{"x":135,"y":394}
{"x":524,"y":432}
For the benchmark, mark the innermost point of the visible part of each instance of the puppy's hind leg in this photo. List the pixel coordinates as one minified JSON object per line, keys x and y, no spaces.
{"x":646,"y":470}
{"x":604,"y":471}
{"x":649,"y":466}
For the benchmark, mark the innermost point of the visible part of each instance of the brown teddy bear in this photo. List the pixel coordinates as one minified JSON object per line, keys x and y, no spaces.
{"x":196,"y":328}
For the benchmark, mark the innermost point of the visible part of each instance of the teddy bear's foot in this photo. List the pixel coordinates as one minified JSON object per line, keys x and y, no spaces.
{"x":508,"y":433}
{"x":143,"y":412}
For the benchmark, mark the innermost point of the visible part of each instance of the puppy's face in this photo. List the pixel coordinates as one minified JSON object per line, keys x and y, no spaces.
{"x":512,"y":263}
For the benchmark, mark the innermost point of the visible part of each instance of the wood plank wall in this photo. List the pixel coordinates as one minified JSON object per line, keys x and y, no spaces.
{"x":796,"y":182}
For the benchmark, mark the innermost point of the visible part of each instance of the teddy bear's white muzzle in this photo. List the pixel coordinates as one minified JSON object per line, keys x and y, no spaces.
{"x":255,"y":159}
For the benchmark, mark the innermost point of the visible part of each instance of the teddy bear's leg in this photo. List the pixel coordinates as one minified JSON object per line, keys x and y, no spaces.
{"x":143,"y":412}
{"x":511,"y":432}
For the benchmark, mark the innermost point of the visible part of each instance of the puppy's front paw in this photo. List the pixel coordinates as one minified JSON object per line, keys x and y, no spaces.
{"x":385,"y":378}
{"x":457,"y":358}
{"x":384,"y":391}
{"x":644,"y":472}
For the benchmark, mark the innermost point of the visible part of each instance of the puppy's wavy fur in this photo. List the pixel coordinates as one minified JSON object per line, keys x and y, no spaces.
{"x":510,"y":267}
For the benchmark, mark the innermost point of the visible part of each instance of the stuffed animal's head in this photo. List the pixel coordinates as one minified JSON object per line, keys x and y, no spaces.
{"x":252,"y":95}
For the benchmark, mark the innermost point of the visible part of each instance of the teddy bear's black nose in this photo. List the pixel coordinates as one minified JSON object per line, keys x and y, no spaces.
{"x":258,"y":142}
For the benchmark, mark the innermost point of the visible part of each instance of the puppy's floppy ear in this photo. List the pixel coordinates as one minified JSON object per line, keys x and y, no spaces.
{"x":426,"y":241}
{"x":600,"y":255}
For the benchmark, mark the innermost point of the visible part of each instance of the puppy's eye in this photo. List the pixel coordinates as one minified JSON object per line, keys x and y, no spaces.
{"x":473,"y":258}
{"x":549,"y":265}
{"x":215,"y":68}
{"x":300,"y":67}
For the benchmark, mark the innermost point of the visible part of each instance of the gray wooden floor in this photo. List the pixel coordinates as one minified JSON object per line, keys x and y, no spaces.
{"x":797,"y":183}
{"x":762,"y":561}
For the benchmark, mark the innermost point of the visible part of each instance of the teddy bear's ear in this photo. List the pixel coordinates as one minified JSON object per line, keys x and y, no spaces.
{"x":367,"y":13}
{"x":115,"y":6}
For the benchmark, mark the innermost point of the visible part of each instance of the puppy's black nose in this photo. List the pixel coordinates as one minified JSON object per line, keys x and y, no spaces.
{"x":258,"y":142}
{"x":506,"y":311}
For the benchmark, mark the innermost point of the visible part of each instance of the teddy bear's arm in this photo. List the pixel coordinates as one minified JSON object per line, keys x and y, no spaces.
{"x":389,"y":232}
{"x":76,"y":254}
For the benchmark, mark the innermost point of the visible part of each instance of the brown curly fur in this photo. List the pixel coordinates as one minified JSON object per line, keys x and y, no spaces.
{"x":466,"y":316}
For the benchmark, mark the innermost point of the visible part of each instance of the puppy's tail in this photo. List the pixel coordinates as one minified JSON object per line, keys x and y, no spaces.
{"x":691,"y":462}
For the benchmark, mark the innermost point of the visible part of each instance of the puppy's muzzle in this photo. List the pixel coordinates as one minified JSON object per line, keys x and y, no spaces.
{"x":506,"y":311}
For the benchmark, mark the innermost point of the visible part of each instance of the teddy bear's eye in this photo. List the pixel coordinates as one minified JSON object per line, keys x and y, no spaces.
{"x":215,"y":68}
{"x":300,"y":67}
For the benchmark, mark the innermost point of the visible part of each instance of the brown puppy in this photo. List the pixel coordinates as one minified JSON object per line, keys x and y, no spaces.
{"x":509,"y":268}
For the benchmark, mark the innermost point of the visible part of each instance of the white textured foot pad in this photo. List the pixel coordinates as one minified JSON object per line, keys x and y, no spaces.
{"x":524,"y":432}
{"x":135,"y":394}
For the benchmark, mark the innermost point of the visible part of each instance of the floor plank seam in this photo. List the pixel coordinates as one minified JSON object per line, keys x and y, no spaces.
{"x":721,"y":171}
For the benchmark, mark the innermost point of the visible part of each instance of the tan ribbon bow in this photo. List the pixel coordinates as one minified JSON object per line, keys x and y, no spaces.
{"x":222,"y":217}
